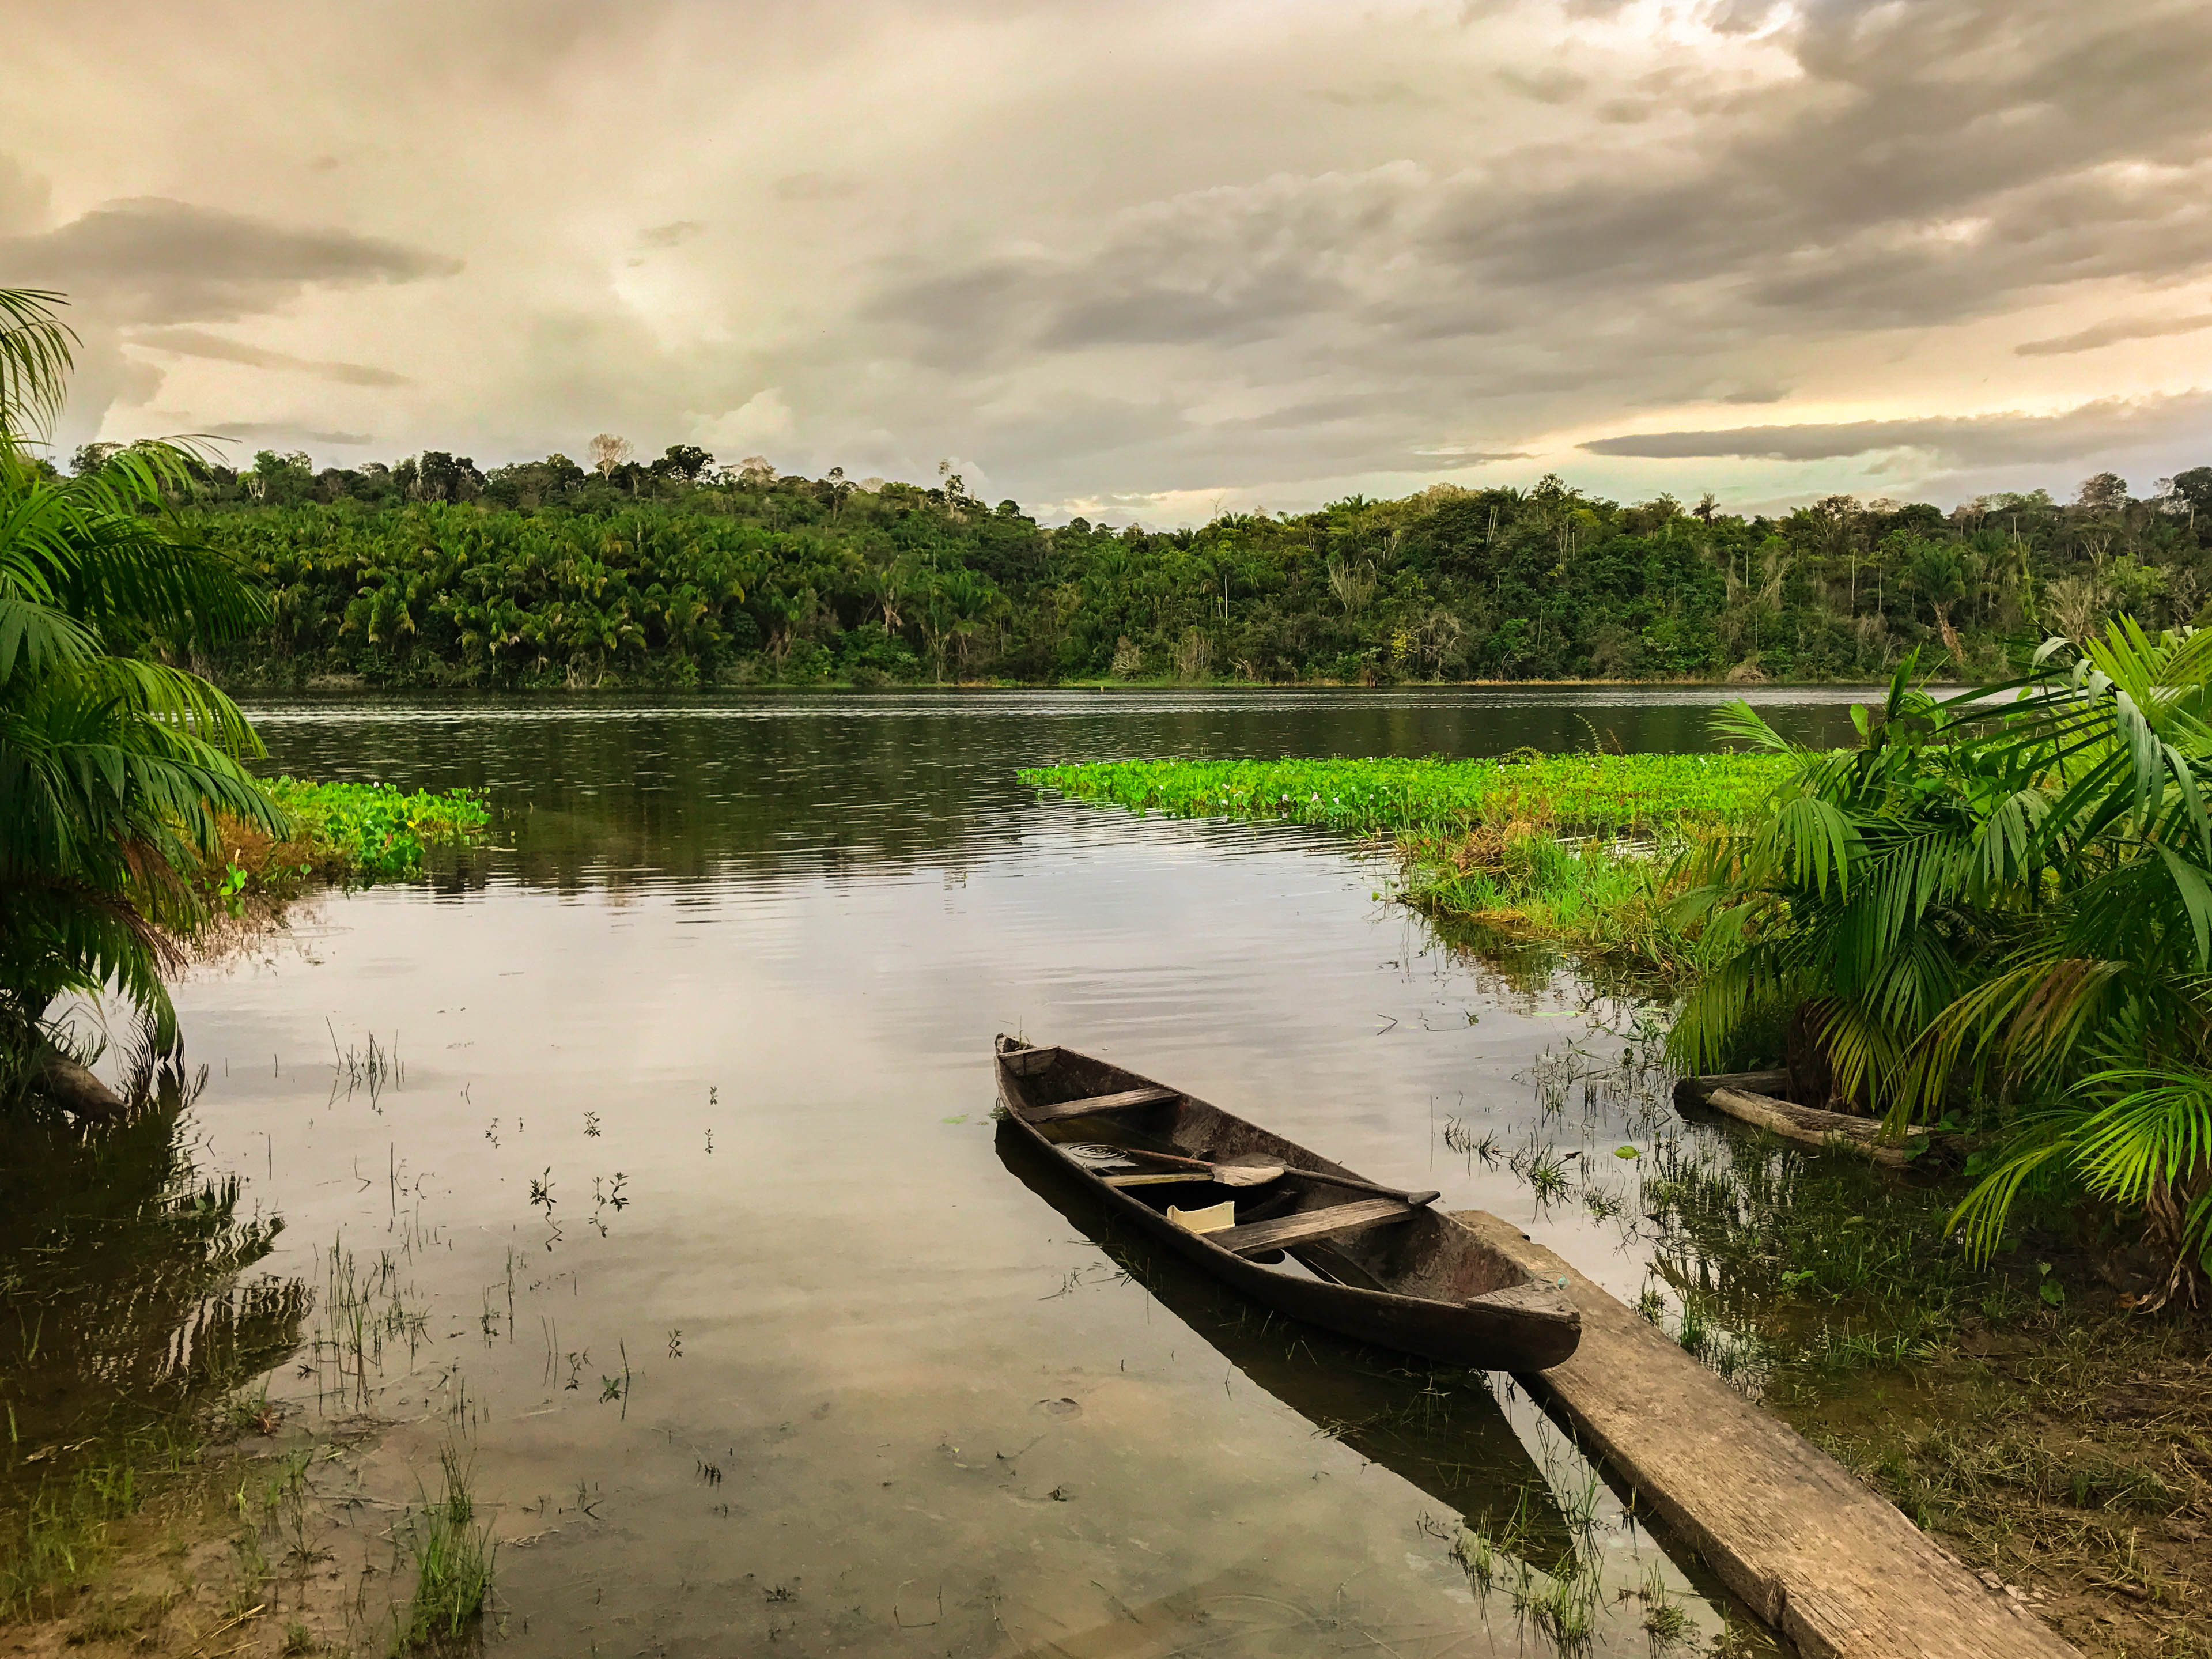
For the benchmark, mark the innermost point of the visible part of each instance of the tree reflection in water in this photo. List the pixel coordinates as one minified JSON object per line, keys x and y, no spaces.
{"x":125,"y":1302}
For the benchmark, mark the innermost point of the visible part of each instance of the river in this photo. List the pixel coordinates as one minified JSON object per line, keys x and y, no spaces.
{"x":672,"y":1111}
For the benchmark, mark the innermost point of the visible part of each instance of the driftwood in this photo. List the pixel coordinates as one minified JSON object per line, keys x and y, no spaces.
{"x":1836,"y":1570}
{"x":1737,"y":1095}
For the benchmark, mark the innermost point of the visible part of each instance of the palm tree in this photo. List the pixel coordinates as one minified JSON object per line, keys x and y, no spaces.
{"x":2005,"y":902}
{"x":116,"y":771}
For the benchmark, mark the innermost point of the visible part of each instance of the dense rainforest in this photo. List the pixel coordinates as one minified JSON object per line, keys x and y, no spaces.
{"x":433,"y":572}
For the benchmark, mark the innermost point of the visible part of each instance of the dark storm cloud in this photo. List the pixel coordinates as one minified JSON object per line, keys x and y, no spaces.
{"x":674,"y":233}
{"x":1147,"y":247}
{"x":1979,"y":441}
{"x":1078,"y":422}
{"x":1937,"y":162}
{"x":1927,"y":164}
{"x":153,"y":260}
{"x":1221,"y":267}
{"x":197,"y":343}
{"x":2111,"y":333}
{"x":286,"y":432}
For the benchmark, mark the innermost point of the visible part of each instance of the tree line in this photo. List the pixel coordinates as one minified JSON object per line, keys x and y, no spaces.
{"x":679,"y":571}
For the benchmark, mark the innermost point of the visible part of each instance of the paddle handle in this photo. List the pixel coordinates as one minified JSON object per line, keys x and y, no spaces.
{"x":1354,"y":1185}
{"x":1165,"y":1158}
{"x":1350,"y":1182}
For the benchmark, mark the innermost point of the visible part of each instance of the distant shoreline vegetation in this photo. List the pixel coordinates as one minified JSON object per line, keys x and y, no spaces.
{"x":431,"y":573}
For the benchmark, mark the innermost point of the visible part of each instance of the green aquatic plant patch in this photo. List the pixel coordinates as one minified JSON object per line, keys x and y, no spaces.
{"x":377,"y":831}
{"x":338,"y":832}
{"x":1610,"y":794}
{"x":1573,"y":851}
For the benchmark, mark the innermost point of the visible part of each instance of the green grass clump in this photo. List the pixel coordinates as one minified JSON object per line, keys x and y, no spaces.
{"x":453,"y":1559}
{"x":60,"y":1537}
{"x":1584,"y":792}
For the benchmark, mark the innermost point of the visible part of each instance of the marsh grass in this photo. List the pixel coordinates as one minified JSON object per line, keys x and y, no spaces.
{"x":367,"y":1314}
{"x":60,"y":1536}
{"x":1664,"y":1620}
{"x":451,"y":1558}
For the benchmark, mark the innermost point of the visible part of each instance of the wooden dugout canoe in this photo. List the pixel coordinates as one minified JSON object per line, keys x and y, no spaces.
{"x":1371,"y":1263}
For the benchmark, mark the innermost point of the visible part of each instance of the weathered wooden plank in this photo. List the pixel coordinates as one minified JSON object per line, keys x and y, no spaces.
{"x":1312,"y":1223}
{"x":1836,"y":1570}
{"x":1114,"y":1102}
{"x":1029,"y":1062}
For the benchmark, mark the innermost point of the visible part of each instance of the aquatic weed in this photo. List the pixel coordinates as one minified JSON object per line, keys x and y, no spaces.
{"x":374,"y":831}
{"x":452,"y":1558}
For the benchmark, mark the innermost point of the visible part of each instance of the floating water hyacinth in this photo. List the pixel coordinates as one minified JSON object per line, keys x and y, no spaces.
{"x":1571,"y":849}
{"x":1582,"y":793}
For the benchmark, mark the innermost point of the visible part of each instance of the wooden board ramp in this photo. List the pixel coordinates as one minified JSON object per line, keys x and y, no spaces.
{"x":1835,"y":1569}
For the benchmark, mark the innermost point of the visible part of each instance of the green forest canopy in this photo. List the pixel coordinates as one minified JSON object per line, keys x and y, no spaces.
{"x":431,"y":572}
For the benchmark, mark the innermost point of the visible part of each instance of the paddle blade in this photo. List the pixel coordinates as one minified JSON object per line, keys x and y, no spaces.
{"x":1247,"y":1175}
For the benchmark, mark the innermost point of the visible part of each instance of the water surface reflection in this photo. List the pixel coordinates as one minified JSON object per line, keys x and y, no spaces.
{"x":691,"y":1166}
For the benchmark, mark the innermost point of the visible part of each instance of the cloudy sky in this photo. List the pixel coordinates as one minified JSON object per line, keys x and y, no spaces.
{"x":1143,"y":260}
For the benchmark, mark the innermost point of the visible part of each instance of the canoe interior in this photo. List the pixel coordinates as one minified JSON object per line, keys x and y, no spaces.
{"x":1427,"y":1256}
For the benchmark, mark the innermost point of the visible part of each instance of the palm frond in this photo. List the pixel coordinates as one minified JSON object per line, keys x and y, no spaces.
{"x":34,"y":363}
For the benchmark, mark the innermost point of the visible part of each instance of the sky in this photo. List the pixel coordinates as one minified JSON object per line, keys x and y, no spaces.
{"x":1142,"y":262}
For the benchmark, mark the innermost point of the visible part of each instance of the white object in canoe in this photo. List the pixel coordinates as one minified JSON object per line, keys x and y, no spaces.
{"x":1211,"y":1219}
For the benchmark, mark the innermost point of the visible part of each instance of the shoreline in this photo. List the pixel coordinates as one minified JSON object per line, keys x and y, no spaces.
{"x":348,"y":685}
{"x":2018,"y":1410}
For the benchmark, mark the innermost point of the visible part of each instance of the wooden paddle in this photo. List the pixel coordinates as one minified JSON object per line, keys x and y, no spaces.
{"x":1258,"y":1172}
{"x":1185,"y":1168}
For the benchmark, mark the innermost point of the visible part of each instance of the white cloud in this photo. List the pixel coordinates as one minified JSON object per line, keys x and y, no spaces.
{"x":763,"y":418}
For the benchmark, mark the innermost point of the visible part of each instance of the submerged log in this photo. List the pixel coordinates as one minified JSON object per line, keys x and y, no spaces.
{"x":1730,"y":1095}
{"x":76,"y":1090}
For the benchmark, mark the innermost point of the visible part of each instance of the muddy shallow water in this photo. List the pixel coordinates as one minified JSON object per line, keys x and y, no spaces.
{"x":671,"y":1112}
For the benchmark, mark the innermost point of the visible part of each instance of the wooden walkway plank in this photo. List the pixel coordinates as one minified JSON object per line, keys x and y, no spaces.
{"x":1833,"y":1566}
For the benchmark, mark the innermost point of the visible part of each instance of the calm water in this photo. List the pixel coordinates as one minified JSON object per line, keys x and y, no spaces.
{"x":757,"y":1337}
